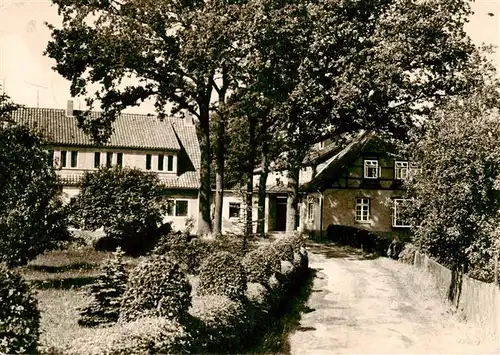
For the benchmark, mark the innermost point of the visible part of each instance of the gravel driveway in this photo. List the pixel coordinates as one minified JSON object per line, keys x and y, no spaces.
{"x":366,"y":306}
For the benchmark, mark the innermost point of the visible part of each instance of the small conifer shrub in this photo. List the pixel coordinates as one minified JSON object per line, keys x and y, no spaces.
{"x":107,"y":293}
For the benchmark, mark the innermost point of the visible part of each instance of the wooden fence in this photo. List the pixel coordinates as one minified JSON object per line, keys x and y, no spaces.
{"x":478,"y":301}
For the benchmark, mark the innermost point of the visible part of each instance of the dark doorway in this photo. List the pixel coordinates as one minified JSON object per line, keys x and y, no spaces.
{"x":280,"y":214}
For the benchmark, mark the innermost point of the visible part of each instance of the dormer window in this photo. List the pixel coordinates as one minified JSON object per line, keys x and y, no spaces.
{"x":371,"y":170}
{"x":400,"y":170}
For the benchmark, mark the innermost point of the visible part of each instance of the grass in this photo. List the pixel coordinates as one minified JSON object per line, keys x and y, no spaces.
{"x":69,"y":268}
{"x":59,"y":309}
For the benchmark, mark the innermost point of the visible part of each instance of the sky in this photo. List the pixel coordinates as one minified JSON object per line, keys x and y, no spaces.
{"x":27,"y":77}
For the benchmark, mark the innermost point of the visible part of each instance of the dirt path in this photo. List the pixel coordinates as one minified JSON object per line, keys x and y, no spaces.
{"x":363,"y":306}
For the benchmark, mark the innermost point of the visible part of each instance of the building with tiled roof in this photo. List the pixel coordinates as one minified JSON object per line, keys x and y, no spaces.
{"x":168,"y":147}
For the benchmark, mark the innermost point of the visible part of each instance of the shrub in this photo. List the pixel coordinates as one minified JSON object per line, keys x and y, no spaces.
{"x":107,"y":293}
{"x":258,"y":294}
{"x":156,"y":287}
{"x":19,"y":315}
{"x":148,"y":335}
{"x":128,"y":203}
{"x":287,"y":270}
{"x":224,"y":322}
{"x":32,"y":216}
{"x":407,"y":255}
{"x":261,"y":264}
{"x":284,"y":249}
{"x":222,"y":274}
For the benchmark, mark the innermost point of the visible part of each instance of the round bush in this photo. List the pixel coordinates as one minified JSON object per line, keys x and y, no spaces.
{"x":297,"y":259}
{"x":287,"y":270}
{"x":156,"y":287}
{"x":284,"y":249}
{"x":224,"y":322}
{"x":149,"y":335}
{"x":257,"y":294}
{"x":222,"y":274}
{"x":19,"y":315}
{"x":261,"y":264}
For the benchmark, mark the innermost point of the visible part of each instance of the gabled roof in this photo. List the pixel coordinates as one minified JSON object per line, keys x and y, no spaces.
{"x":129,"y":130}
{"x":132,"y":131}
{"x":328,"y":168}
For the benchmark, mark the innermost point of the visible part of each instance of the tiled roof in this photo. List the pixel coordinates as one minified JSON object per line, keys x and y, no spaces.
{"x":132,"y":131}
{"x":129,"y":130}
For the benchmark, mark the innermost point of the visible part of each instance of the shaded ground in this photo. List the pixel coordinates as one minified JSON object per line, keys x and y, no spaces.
{"x":363,"y":304}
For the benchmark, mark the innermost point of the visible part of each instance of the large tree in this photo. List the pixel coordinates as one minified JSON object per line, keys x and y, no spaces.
{"x":454,"y":197}
{"x":32,"y":217}
{"x":340,"y":66}
{"x":181,"y":53}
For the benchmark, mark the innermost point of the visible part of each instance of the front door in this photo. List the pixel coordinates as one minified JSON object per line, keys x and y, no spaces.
{"x":280,"y":214}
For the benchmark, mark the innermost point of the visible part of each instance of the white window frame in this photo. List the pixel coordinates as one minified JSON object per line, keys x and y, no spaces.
{"x":395,"y":203}
{"x":239,"y":209}
{"x":371,"y":164}
{"x":401,"y":169}
{"x":173,"y":211}
{"x":363,"y":206}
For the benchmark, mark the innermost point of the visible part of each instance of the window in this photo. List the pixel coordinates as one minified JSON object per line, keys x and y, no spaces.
{"x":64,"y":159}
{"x":119,"y":159}
{"x":109,"y":159}
{"x":234,"y":210}
{"x":181,"y":208}
{"x":148,"y":161}
{"x":97,"y":160}
{"x":398,"y":218}
{"x":371,"y":169}
{"x":161,"y":159}
{"x":400,"y":170}
{"x":74,"y":159}
{"x":362,"y":209}
{"x":310,"y":211}
{"x":170,"y":207}
{"x":170,"y":163}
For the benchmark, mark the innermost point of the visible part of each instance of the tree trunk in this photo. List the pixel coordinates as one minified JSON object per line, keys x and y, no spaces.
{"x":220,"y":153}
{"x":293,"y":198}
{"x":203,"y":132}
{"x":219,"y":177}
{"x":250,"y":168}
{"x":261,"y":214}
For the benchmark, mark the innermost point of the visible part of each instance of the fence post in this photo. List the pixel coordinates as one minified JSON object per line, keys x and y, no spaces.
{"x":496,"y":267}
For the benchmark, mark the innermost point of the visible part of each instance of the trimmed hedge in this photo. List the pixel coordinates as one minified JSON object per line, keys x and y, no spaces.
{"x":19,"y":314}
{"x":148,"y":335}
{"x":157,"y":287}
{"x":262,"y":263}
{"x":223,"y":323}
{"x":222,"y":274}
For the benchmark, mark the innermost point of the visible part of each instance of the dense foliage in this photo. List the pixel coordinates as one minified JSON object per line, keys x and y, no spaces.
{"x":224,"y":322}
{"x":147,"y":335}
{"x":106,"y":292}
{"x":127,"y":203}
{"x":19,"y":314}
{"x":157,"y":287}
{"x":315,"y":68}
{"x":261,"y":264}
{"x":222,"y":274}
{"x":454,"y":191}
{"x":32,"y":217}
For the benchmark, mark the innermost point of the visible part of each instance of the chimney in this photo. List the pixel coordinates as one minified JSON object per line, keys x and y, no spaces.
{"x":69,"y":108}
{"x":188,"y":119}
